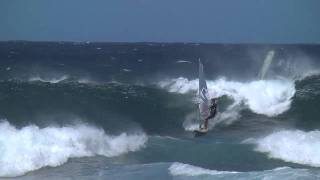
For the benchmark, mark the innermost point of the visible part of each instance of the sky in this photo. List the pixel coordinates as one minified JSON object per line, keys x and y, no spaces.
{"x":209,"y":21}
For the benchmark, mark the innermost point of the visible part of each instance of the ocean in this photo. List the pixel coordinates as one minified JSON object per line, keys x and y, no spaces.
{"x":84,"y":110}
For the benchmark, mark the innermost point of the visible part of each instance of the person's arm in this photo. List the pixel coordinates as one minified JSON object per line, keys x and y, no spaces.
{"x":214,"y":108}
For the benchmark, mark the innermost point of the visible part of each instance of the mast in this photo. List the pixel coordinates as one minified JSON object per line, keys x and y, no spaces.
{"x":199,"y":114}
{"x":203,"y":95}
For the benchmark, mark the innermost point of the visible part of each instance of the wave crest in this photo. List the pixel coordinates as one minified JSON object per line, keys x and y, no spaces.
{"x":52,"y":80}
{"x":31,"y":147}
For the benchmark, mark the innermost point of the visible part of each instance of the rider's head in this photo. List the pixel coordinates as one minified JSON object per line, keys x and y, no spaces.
{"x":213,"y":100}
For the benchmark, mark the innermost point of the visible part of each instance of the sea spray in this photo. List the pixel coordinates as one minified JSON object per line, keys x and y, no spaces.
{"x":266,"y":65}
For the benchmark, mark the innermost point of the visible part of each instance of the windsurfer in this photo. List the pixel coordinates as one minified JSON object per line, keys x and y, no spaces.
{"x":213,"y":112}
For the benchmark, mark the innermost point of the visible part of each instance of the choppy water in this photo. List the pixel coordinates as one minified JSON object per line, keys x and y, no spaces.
{"x":126,"y":111}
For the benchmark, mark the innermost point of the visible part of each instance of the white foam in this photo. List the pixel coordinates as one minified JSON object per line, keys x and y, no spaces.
{"x":50,"y":80}
{"x":292,"y":146}
{"x":177,"y":169}
{"x":31,"y":148}
{"x":268,"y":97}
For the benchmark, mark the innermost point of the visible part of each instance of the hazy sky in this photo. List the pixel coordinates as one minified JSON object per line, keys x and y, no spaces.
{"x":227,"y":21}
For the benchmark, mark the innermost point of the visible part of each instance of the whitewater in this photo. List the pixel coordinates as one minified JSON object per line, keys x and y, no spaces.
{"x":31,"y":147}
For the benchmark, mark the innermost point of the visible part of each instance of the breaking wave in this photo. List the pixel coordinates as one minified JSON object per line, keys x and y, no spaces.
{"x":292,"y":146}
{"x":30,"y":148}
{"x":267,"y":97}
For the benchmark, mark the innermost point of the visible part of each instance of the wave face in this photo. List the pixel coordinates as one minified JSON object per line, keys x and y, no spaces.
{"x":194,"y":172}
{"x":31,"y":147}
{"x":125,"y":111}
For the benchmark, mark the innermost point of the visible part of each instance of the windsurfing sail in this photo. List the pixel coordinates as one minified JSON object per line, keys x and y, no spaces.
{"x":203,"y":96}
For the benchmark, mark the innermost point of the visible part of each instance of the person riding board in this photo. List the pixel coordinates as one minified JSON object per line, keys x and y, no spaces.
{"x":213,"y":112}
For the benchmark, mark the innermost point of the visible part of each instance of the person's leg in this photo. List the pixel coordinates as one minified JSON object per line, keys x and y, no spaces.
{"x":206,"y":123}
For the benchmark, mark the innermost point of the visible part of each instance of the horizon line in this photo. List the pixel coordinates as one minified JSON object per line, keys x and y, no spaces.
{"x":167,"y":42}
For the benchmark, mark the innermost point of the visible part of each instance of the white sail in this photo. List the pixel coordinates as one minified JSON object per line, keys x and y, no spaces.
{"x":203,"y":95}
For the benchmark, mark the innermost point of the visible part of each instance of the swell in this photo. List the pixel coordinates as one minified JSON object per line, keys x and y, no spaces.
{"x":157,"y":110}
{"x":113,"y":106}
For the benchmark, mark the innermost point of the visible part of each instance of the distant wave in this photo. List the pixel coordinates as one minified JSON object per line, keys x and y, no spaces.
{"x":183,"y":61}
{"x":292,"y":146}
{"x":31,"y":148}
{"x":50,"y":80}
{"x":64,"y":78}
